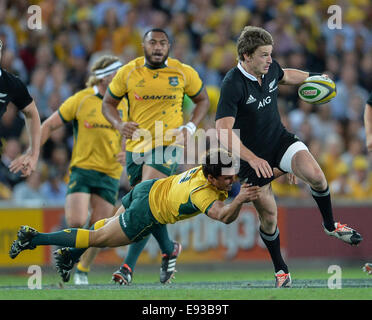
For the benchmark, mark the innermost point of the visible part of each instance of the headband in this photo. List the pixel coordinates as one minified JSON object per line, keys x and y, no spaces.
{"x":101,"y":73}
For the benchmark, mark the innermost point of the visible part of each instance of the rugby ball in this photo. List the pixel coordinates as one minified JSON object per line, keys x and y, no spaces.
{"x":317,"y":90}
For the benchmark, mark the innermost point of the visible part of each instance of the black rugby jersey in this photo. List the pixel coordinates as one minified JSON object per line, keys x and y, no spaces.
{"x":254,"y":107}
{"x":12,"y":89}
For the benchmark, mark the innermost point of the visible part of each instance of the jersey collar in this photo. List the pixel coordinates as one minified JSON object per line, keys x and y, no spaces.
{"x":164,"y":65}
{"x":247,"y":74}
{"x":96,"y":92}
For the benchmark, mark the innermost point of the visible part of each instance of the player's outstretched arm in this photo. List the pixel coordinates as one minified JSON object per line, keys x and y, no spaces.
{"x":228,"y":213}
{"x":49,"y":125}
{"x":27,"y":162}
{"x":294,"y":76}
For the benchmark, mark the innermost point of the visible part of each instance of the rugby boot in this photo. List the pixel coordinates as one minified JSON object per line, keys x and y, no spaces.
{"x":345,"y":233}
{"x":23,"y":242}
{"x":168,"y":264}
{"x":64,"y":263}
{"x":282,"y":279}
{"x":123,"y":276}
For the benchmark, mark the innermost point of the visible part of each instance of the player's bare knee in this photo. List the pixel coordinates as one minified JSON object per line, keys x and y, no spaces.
{"x":268,"y":221}
{"x":318,"y":180}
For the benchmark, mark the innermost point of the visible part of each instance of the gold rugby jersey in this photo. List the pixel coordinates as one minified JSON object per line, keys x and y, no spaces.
{"x":183,"y":196}
{"x":155,"y":98}
{"x":96,"y":142}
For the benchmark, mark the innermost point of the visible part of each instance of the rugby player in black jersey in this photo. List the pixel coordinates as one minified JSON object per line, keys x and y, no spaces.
{"x":13,"y":90}
{"x":249,"y":124}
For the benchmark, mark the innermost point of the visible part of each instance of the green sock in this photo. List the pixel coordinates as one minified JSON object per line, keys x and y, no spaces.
{"x":134,"y":251}
{"x":65,"y":238}
{"x":161,"y":235}
{"x":73,"y":237}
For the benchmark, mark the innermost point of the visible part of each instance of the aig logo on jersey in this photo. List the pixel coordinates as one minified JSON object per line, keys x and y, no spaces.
{"x":264,"y":102}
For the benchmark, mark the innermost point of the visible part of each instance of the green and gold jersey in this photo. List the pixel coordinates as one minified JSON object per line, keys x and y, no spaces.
{"x":155,"y":98}
{"x":96,"y":142}
{"x":183,"y":196}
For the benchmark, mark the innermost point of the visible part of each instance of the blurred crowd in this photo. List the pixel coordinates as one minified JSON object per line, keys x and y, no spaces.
{"x":54,"y":62}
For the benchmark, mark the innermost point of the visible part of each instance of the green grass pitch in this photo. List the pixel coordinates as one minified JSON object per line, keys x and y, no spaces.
{"x":221,"y":284}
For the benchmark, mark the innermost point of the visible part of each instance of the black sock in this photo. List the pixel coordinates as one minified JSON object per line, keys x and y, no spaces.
{"x":323,"y":200}
{"x":272,"y":243}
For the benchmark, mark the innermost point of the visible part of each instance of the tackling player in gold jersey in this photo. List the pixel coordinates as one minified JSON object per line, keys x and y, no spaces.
{"x":149,"y":206}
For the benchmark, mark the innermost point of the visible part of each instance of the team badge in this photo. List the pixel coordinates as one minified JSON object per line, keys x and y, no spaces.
{"x":173,"y":81}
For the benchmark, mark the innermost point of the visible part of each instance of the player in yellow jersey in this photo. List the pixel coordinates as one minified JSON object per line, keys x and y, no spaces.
{"x":97,"y":156}
{"x":155,"y":86}
{"x":148,"y":206}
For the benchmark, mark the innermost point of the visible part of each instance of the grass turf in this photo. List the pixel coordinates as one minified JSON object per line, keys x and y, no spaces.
{"x":190,"y":285}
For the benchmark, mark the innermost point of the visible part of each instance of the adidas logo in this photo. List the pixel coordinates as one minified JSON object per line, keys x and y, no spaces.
{"x":251,"y":99}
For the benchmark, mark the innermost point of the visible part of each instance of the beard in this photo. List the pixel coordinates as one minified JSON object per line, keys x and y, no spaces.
{"x":155,"y":62}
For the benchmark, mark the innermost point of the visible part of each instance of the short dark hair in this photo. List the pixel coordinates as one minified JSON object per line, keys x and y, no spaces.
{"x":217,"y":159}
{"x":250,"y":39}
{"x":155,"y":30}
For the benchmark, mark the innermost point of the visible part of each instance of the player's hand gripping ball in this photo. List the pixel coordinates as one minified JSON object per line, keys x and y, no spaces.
{"x":317,"y":90}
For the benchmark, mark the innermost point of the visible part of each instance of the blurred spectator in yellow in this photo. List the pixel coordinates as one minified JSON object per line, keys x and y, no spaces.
{"x":339,"y":187}
{"x":355,"y":148}
{"x":107,"y":29}
{"x":331,"y":158}
{"x":6,"y":30}
{"x":5,"y":191}
{"x":127,"y":34}
{"x":283,"y":189}
{"x":359,"y":180}
{"x":222,"y":44}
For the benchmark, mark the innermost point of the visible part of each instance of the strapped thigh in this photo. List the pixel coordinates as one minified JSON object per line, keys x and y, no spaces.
{"x":286,"y":161}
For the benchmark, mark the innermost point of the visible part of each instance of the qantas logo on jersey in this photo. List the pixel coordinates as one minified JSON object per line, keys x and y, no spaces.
{"x":155,"y":97}
{"x":264,"y":102}
{"x":96,"y":125}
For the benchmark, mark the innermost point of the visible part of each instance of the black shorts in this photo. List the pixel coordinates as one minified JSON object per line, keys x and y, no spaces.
{"x":273,"y":156}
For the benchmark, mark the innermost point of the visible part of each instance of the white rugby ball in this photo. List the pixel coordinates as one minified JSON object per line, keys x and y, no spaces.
{"x":317,"y":90}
